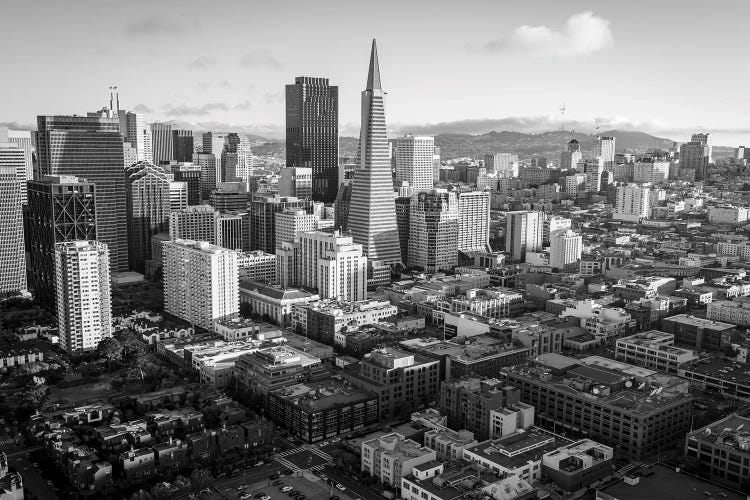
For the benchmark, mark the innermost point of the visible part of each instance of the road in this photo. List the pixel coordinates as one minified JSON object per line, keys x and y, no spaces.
{"x":354,"y":488}
{"x":32,"y":479}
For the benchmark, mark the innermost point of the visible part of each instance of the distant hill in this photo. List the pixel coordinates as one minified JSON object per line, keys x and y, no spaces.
{"x":547,"y":144}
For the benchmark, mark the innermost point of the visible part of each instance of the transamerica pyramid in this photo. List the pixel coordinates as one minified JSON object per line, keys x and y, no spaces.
{"x":372,"y":210}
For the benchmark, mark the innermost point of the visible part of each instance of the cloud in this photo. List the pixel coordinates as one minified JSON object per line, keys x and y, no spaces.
{"x":583,"y":34}
{"x":259,"y":58}
{"x":202,"y":62}
{"x":226,"y":84}
{"x":273,"y":97}
{"x":187,"y":110}
{"x":148,"y":26}
{"x":142,"y":108}
{"x":268,"y":130}
{"x":203,"y":85}
{"x":16,"y":125}
{"x":244,"y":105}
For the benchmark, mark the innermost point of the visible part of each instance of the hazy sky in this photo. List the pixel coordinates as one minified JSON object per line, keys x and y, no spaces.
{"x":667,"y":67}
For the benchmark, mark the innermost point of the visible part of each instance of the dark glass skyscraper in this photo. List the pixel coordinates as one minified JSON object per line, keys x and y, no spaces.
{"x":60,"y":208}
{"x":182,"y":145}
{"x":90,"y":147}
{"x":312,"y":133}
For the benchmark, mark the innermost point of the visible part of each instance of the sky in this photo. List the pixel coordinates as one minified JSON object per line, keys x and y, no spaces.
{"x":667,"y":67}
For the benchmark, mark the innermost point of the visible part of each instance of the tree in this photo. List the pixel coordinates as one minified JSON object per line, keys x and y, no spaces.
{"x":111,"y":349}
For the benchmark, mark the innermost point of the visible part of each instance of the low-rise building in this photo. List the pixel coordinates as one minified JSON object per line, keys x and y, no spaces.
{"x":699,"y":333}
{"x":468,"y":402}
{"x":721,"y":450}
{"x":391,"y":457}
{"x":275,"y":367}
{"x":323,"y":319}
{"x":653,"y":349}
{"x":735,"y":311}
{"x":11,"y":483}
{"x":447,"y":443}
{"x":274,"y":302}
{"x":315,"y":411}
{"x":577,"y":465}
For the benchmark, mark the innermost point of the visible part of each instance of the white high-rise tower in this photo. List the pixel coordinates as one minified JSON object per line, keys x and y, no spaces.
{"x":414,"y":161}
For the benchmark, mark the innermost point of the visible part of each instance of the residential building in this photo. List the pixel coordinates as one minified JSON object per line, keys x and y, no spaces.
{"x":12,"y":195}
{"x":84,"y":311}
{"x":293,"y":221}
{"x":632,"y":203}
{"x":312,"y":133}
{"x":372,"y":210}
{"x":194,"y":223}
{"x":565,"y":250}
{"x":147,"y":201}
{"x":201,"y":282}
{"x":90,"y":147}
{"x":468,"y":401}
{"x":263,"y":210}
{"x":276,"y":367}
{"x":473,"y":221}
{"x":391,"y":457}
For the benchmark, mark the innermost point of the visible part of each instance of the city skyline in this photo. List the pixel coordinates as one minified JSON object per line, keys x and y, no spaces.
{"x":535,"y":58}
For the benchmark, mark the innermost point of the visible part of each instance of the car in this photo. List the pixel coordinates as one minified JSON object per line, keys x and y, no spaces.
{"x":323,"y":477}
{"x":285,"y":489}
{"x":36,"y":465}
{"x":265,"y":497}
{"x":245,"y":495}
{"x":260,"y":495}
{"x":288,"y":472}
{"x":301,"y":497}
{"x":293,"y":493}
{"x":340,"y":486}
{"x":324,"y":443}
{"x":334,"y":497}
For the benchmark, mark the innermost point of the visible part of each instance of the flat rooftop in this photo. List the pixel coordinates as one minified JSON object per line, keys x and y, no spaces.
{"x":687,"y":319}
{"x":317,"y":396}
{"x":474,"y":349}
{"x":722,"y":369}
{"x":517,"y":449}
{"x":666,"y":483}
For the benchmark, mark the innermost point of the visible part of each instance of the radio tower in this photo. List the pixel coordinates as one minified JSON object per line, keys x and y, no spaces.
{"x":562,"y":117}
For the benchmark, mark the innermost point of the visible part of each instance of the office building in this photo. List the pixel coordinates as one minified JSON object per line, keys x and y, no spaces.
{"x":293,"y":221}
{"x":201,"y":282}
{"x":135,"y":132}
{"x":467,"y":402}
{"x":191,"y":175}
{"x":553,"y":224}
{"x":12,"y":188}
{"x":701,"y":334}
{"x":147,"y":189}
{"x":276,"y":367}
{"x":372,"y":210}
{"x":650,"y":170}
{"x":342,"y":273}
{"x":310,"y":248}
{"x":22,"y":140}
{"x":403,"y":214}
{"x":636,"y":411}
{"x":414,"y":161}
{"x":245,"y":159}
{"x":604,"y":148}
{"x":565,"y":250}
{"x":60,"y":209}
{"x":194,"y":223}
{"x":322,"y":410}
{"x":322,"y":320}
{"x":257,"y":266}
{"x":504,"y":164}
{"x":721,"y":450}
{"x":215,"y":143}
{"x":570,"y":159}
{"x":230,"y":197}
{"x":401,"y":380}
{"x":578,"y":465}
{"x":696,"y":155}
{"x":182,"y":145}
{"x":178,"y":196}
{"x":433,"y":231}
{"x":296,"y":181}
{"x":312,"y":133}
{"x":655,"y":350}
{"x":263,"y":210}
{"x":90,"y":147}
{"x":473,"y":221}
{"x":162,"y":143}
{"x":523,"y":233}
{"x":209,"y":172}
{"x":84,"y":311}
{"x":232,"y":231}
{"x":633,"y":203}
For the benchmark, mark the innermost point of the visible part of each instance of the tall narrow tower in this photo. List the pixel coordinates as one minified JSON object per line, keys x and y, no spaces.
{"x":372,"y":213}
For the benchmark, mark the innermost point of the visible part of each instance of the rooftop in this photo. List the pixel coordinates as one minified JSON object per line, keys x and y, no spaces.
{"x":316,"y":396}
{"x":275,"y":292}
{"x":517,"y":449}
{"x":666,"y":483}
{"x":722,"y":369}
{"x":473,"y":349}
{"x":687,"y":319}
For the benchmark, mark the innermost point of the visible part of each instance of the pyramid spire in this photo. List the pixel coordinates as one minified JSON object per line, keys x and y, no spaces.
{"x":373,"y":75}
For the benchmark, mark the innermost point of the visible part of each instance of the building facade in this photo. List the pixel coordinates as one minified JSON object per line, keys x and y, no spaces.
{"x":12,"y":191}
{"x":147,"y":198}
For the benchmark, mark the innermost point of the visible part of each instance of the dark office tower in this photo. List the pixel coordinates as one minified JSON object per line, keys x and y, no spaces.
{"x":90,"y":147}
{"x":147,"y":198}
{"x":214,"y":143}
{"x":161,"y":143}
{"x":263,"y":210}
{"x":372,"y":212}
{"x":230,"y":197}
{"x":190,"y":174}
{"x":182,"y":145}
{"x":403,"y":212}
{"x":60,"y":209}
{"x":341,"y":206}
{"x":312,"y":133}
{"x":228,"y":167}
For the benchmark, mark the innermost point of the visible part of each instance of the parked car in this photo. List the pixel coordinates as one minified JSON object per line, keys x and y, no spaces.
{"x":340,"y":486}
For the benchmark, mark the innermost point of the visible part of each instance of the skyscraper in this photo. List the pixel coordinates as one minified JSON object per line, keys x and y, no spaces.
{"x":372,"y":212}
{"x":697,"y":154}
{"x":505,"y":164}
{"x":210,"y":173}
{"x":263,"y":210}
{"x":214,"y":143}
{"x":182,"y":145}
{"x":90,"y":147}
{"x":60,"y":209}
{"x":201,"y":282}
{"x":312,"y":133}
{"x":523,"y":233}
{"x":178,"y":195}
{"x":570,"y":158}
{"x":84,"y":310}
{"x":21,"y":139}
{"x":161,"y":142}
{"x":403,"y":215}
{"x":12,"y":183}
{"x":342,"y":273}
{"x":296,"y":181}
{"x":565,"y":249}
{"x":433,"y":231}
{"x":473,"y":221}
{"x":414,"y":161}
{"x":293,"y":221}
{"x":135,"y":132}
{"x":604,"y":148}
{"x":191,"y":175}
{"x":148,"y":208}
{"x":196,"y":222}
